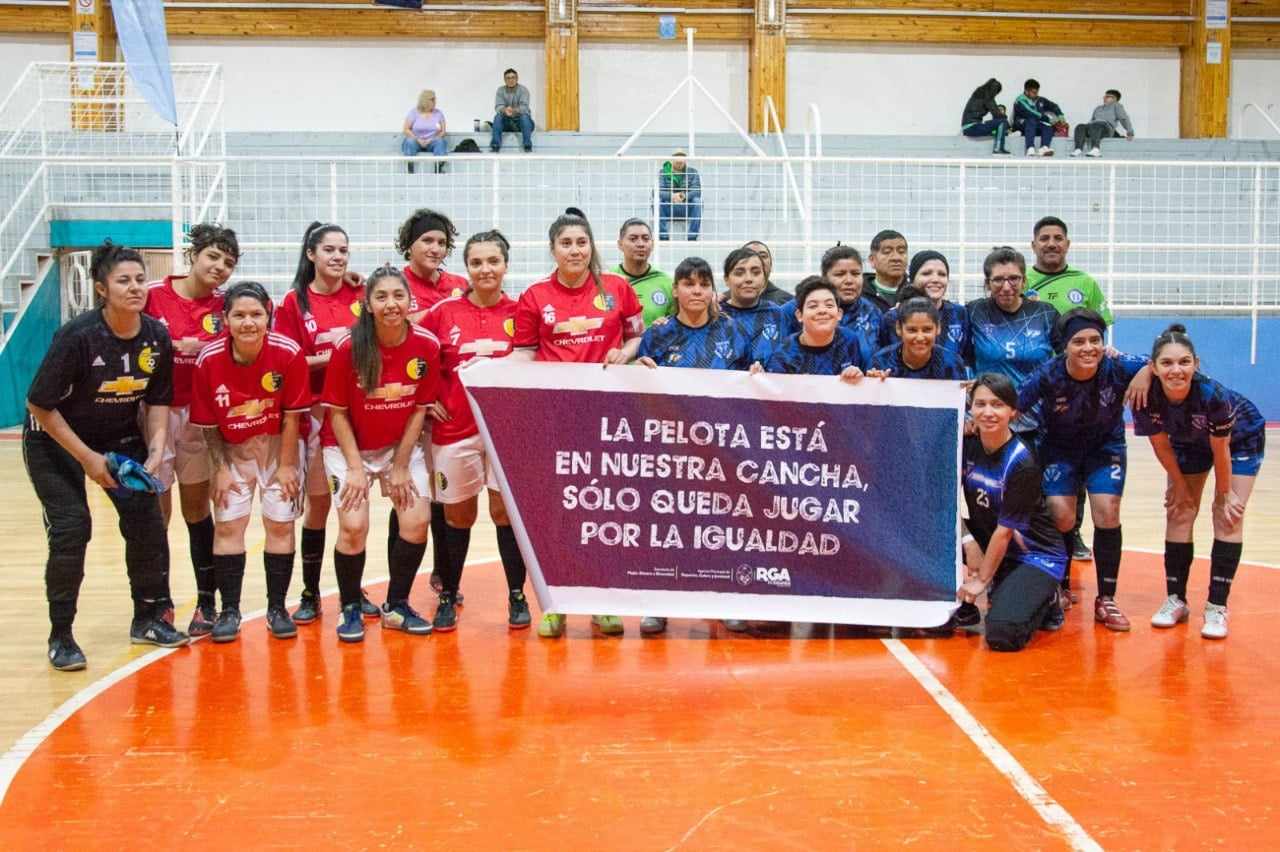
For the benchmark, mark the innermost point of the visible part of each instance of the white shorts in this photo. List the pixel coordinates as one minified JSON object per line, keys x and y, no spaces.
{"x":316,"y":483}
{"x":377,"y":465}
{"x":253,"y":466}
{"x":185,"y":456}
{"x":462,"y":470}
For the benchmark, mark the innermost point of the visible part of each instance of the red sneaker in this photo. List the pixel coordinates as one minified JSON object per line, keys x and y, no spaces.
{"x":1106,"y":613}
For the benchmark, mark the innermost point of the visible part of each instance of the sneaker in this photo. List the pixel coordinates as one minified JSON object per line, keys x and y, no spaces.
{"x":411,"y":167}
{"x":1080,"y":551}
{"x":154,"y":630}
{"x":308,"y":609}
{"x":1215,"y":622}
{"x":1076,"y":152}
{"x":352,"y":627}
{"x":446,"y":617}
{"x":64,"y":654}
{"x":1001,"y":152}
{"x":736,"y":625}
{"x":1106,"y":613}
{"x":227,"y":627}
{"x":652,"y":624}
{"x":368,"y":608}
{"x":1046,"y":151}
{"x":968,"y":618}
{"x":1032,"y":152}
{"x":404,"y":617}
{"x":1095,"y":152}
{"x":528,"y":149}
{"x":202,"y":619}
{"x":609,"y":625}
{"x":1065,"y":599}
{"x":280,"y":624}
{"x":1173,"y":611}
{"x":551,"y":626}
{"x":493,"y":149}
{"x":1054,"y":620}
{"x":518,"y":617}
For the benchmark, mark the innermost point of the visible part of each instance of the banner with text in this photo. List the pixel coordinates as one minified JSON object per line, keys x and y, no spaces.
{"x":718,"y":494}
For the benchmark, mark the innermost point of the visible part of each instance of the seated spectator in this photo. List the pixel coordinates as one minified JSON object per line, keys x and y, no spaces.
{"x":1107,"y":121}
{"x":980,"y":104}
{"x":1035,"y":117}
{"x":889,"y":259}
{"x":511,"y":112}
{"x":772,"y":292}
{"x":679,"y":197}
{"x":424,"y":129}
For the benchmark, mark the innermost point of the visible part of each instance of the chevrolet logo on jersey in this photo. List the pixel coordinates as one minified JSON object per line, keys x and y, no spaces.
{"x":252,"y":408}
{"x":578,"y":325}
{"x":124,"y":386}
{"x":393,"y":391}
{"x":484,"y":348}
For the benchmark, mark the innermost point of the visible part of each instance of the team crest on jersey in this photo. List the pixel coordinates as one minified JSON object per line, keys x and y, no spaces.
{"x":1107,"y":397}
{"x":955,"y":333}
{"x":549,"y":314}
{"x":211,"y":323}
{"x":769,"y":331}
{"x":1200,"y":422}
{"x":416,"y":368}
{"x":442,"y":481}
{"x":509,"y":326}
{"x":1076,"y":297}
{"x":455,"y":334}
{"x":356,"y":308}
{"x":272,"y":381}
{"x":457,"y":291}
{"x":1060,"y":405}
{"x":603,"y":302}
{"x":147,"y":359}
{"x":658,"y":298}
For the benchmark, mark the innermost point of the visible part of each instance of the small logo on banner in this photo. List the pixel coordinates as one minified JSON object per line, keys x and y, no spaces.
{"x":777,"y":577}
{"x":744,"y":575}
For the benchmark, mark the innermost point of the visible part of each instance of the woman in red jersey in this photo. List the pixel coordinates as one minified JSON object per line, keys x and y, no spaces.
{"x":319,"y":308}
{"x":477,"y":324}
{"x":251,"y":391}
{"x":377,"y":387}
{"x":190,"y":307}
{"x":578,"y":314}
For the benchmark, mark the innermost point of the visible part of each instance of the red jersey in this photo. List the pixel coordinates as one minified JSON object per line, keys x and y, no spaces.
{"x":423,"y":294}
{"x":466,"y":331}
{"x":318,"y":329}
{"x":410,"y":379}
{"x":577,"y":324}
{"x":198,"y":319}
{"x":244,"y":400}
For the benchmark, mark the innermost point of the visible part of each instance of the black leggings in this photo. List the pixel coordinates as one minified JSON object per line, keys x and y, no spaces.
{"x":60,"y":484}
{"x":1021,"y":597}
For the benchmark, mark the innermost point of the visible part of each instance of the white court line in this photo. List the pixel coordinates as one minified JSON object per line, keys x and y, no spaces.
{"x":1030,"y":790}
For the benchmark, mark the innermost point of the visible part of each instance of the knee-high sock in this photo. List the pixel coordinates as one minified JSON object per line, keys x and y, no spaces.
{"x":1177,"y":567}
{"x":279,"y":571}
{"x":228,"y":570}
{"x":1224,"y":559}
{"x":200,"y":539}
{"x":393,"y":533}
{"x":1106,"y":559}
{"x":512,"y":561}
{"x":457,"y":543}
{"x":1069,"y":542}
{"x":350,"y":570}
{"x":406,"y":558}
{"x":438,"y":528}
{"x":312,"y":558}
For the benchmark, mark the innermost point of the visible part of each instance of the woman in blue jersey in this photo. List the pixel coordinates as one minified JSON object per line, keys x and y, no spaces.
{"x":698,"y":335}
{"x":762,"y":320}
{"x":1082,"y":394}
{"x":822,"y":347}
{"x":1011,"y":547}
{"x":1196,"y":424}
{"x":930,"y":272}
{"x":917,"y":352}
{"x":842,"y":266}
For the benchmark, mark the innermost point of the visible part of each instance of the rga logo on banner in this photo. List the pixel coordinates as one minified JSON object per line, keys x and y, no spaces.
{"x":779,"y":577}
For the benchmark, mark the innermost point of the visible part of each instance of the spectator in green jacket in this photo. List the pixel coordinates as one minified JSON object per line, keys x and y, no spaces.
{"x":652,"y":286}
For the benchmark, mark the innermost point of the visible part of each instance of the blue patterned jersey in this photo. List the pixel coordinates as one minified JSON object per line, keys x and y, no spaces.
{"x":1210,"y":409}
{"x":1014,"y":345}
{"x":1074,"y":412}
{"x":846,"y":349}
{"x":942,"y":364}
{"x":763,"y":325}
{"x":721,"y":344}
{"x":953,"y":335}
{"x":861,"y":317}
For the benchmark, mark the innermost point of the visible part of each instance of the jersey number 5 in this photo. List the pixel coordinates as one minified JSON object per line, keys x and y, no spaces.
{"x":1010,"y":350}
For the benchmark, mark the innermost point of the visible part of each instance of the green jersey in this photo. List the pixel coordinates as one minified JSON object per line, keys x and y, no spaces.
{"x":653,"y":289}
{"x":1068,"y":289}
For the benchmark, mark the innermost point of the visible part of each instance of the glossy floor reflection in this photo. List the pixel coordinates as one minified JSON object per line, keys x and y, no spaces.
{"x":700,"y":739}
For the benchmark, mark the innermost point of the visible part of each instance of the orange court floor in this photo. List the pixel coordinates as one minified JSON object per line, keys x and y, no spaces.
{"x":792,"y":737}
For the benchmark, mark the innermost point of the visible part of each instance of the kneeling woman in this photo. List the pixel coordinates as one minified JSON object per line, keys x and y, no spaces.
{"x":1196,"y":424}
{"x":477,"y":324}
{"x":250,"y":393}
{"x":917,"y":354}
{"x":377,"y":387}
{"x":1012,"y":544}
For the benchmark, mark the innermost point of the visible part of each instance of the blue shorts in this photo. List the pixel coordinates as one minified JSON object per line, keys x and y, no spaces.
{"x":1101,"y":467}
{"x":1247,"y":452}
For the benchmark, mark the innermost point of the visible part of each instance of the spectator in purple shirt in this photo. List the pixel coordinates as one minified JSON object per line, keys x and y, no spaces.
{"x":424,"y":129}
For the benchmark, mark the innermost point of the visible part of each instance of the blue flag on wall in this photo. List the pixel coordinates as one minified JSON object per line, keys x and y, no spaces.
{"x":140,"y":28}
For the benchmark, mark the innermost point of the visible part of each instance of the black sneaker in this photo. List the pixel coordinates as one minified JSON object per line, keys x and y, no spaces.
{"x":1080,"y":551}
{"x":64,"y":654}
{"x":154,"y":630}
{"x":968,"y":618}
{"x":411,"y":167}
{"x":518,"y":617}
{"x":446,"y":617}
{"x":280,"y":624}
{"x":352,"y":627}
{"x":202,"y":618}
{"x":493,"y":149}
{"x":368,"y":608}
{"x":308,"y":609}
{"x":227,"y":627}
{"x":1054,"y":620}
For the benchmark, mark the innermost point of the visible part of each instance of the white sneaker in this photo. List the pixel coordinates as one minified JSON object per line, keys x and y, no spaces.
{"x":1095,"y":152}
{"x":1046,"y":151}
{"x":1173,"y":611}
{"x":1076,"y":152}
{"x":651,"y":624}
{"x":1215,"y":622}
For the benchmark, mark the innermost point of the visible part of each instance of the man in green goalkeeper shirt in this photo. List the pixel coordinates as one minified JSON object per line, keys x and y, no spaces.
{"x":652,"y":286}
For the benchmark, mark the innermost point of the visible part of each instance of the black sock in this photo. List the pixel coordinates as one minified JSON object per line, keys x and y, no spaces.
{"x":1224,"y":559}
{"x":457,"y":543}
{"x":200,"y":538}
{"x":439,"y":555}
{"x":1068,"y":542}
{"x":61,"y":616}
{"x":350,"y":570}
{"x":228,"y":569}
{"x":1106,"y":559}
{"x":312,"y":558}
{"x":406,"y":559}
{"x":279,"y":571}
{"x":393,"y":533}
{"x":1177,"y":567}
{"x":512,"y":561}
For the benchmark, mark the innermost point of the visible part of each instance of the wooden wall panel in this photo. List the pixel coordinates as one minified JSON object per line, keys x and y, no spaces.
{"x":767,"y":75}
{"x":356,"y":23}
{"x":1079,"y":7}
{"x":1204,"y":89}
{"x":1256,"y":35}
{"x":946,"y":30}
{"x":562,"y":79}
{"x":1255,"y":9}
{"x":643,"y":26}
{"x":35,"y":19}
